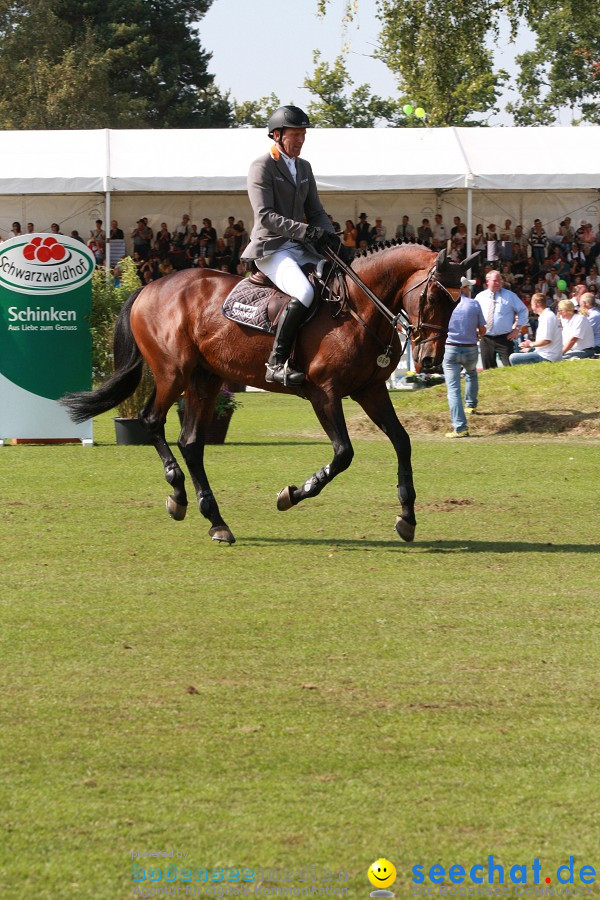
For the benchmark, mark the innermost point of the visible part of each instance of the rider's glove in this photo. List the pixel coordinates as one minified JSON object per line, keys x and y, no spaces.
{"x":320,"y":239}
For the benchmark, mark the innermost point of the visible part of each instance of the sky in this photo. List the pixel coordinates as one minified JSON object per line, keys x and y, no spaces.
{"x":260,"y":46}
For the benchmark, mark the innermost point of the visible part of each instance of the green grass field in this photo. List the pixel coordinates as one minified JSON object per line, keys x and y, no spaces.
{"x":319,"y":693}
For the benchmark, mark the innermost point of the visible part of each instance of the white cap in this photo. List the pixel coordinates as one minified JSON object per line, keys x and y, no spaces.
{"x":466,"y":281}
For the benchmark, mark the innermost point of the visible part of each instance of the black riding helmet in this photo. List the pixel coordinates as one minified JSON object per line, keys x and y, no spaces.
{"x":287,"y":117}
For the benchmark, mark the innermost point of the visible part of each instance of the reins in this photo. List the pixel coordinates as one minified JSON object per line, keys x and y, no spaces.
{"x":399,"y":322}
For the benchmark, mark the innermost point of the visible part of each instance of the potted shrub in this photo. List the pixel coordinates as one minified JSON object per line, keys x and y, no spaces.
{"x":106,"y":304}
{"x":225,"y":406}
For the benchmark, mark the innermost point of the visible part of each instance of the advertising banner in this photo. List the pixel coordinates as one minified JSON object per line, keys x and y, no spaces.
{"x":45,"y":341}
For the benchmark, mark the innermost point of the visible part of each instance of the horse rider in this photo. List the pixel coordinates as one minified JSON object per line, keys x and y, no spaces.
{"x":283,"y":192}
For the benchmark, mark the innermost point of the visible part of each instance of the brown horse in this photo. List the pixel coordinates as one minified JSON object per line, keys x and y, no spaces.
{"x":348,"y":348}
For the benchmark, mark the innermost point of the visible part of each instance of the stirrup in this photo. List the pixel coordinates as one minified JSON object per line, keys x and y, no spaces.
{"x":284,"y":373}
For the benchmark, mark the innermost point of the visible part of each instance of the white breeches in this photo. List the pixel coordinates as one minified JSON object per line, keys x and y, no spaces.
{"x":283,"y":268}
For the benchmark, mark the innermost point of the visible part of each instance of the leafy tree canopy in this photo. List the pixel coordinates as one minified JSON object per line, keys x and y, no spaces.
{"x":119,"y":63}
{"x":438,"y":51}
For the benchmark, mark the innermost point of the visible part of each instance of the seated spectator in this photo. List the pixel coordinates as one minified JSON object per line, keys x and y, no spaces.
{"x":163,"y":239}
{"x":478,"y":240}
{"x":208,"y":240}
{"x":547,"y":343}
{"x":567,"y":232}
{"x":590,"y":309}
{"x":439,"y":231}
{"x":593,"y":277}
{"x":424,"y":232}
{"x":97,"y":242}
{"x":193,"y":251}
{"x":228,"y":234}
{"x":165,"y":266}
{"x":506,"y":232}
{"x":378,"y":232}
{"x":76,"y":236}
{"x":508,"y":276}
{"x":585,"y":236}
{"x":578,"y":334}
{"x":405,"y":231}
{"x":538,"y":241}
{"x":222,"y":256}
{"x":244,"y":234}
{"x":238,"y":245}
{"x":456,"y":222}
{"x":349,"y":235}
{"x":141,"y":240}
{"x":116,"y":233}
{"x":181,"y":233}
{"x":30,"y":228}
{"x":363,"y":230}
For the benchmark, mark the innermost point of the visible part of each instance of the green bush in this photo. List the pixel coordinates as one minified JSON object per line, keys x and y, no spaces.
{"x":107,"y":301}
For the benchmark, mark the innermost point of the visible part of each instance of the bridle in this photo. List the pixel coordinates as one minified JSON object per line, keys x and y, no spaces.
{"x":400,"y":323}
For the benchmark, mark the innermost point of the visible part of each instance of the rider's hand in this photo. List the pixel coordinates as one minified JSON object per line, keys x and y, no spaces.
{"x":320,"y":239}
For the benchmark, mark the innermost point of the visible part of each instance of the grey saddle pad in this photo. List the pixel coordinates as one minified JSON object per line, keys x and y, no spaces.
{"x":255,"y":305}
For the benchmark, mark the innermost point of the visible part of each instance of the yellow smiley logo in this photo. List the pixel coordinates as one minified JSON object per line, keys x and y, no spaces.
{"x":381,"y":873}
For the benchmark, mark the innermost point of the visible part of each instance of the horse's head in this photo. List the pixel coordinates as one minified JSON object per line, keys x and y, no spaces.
{"x":429,"y":299}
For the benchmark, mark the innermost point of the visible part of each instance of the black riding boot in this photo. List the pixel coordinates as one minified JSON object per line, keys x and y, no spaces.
{"x":279,"y":368}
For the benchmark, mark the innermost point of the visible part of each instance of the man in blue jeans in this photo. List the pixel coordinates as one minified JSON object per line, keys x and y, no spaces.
{"x":467,"y":323}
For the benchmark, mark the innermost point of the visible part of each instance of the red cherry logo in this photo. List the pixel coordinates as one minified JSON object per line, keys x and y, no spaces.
{"x":58,"y":252}
{"x":49,"y":241}
{"x":43,"y":254}
{"x":36,"y":242}
{"x":29,"y":252}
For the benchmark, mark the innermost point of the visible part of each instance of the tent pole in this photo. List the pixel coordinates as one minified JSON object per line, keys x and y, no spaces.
{"x":469,"y":224}
{"x":107,"y":231}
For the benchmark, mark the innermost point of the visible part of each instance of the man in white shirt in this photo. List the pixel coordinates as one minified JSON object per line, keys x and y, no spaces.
{"x":548,"y":343}
{"x":505,"y":315}
{"x":439,"y":231}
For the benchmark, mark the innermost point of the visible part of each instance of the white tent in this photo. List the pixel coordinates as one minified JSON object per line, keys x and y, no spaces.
{"x":481,"y":174}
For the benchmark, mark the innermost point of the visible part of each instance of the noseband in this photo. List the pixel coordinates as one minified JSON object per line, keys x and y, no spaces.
{"x":415,"y":332}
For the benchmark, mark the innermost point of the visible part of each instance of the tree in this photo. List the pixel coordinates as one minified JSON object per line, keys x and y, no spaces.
{"x":119,"y":63}
{"x":436,"y":49}
{"x":335,"y":108}
{"x":255,"y":113}
{"x":564,"y":67}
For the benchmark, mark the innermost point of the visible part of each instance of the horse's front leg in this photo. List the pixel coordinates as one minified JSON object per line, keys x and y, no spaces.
{"x":331,"y":416}
{"x":376,"y":403}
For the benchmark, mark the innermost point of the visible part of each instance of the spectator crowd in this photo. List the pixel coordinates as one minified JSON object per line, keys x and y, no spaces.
{"x":561,"y":266}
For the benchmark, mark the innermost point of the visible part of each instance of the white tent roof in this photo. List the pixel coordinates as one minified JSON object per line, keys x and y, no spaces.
{"x":343,"y":159}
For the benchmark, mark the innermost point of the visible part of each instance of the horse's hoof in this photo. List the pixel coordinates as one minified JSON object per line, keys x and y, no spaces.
{"x":284,"y":497}
{"x":222,"y":534}
{"x":405,"y":529}
{"x":176,"y":510}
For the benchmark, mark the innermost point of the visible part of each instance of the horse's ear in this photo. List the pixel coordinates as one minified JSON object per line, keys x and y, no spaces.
{"x":471,"y":261}
{"x":441,"y":262}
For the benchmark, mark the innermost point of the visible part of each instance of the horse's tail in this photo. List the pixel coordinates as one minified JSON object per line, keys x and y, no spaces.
{"x":127,"y":375}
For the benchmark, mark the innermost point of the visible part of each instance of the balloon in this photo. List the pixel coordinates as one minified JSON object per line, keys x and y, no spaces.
{"x":407,"y":109}
{"x":561,"y":284}
{"x":419,"y":112}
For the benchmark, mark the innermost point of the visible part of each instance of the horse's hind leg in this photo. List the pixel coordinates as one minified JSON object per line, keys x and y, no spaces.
{"x":199,"y":405}
{"x":331,"y":416}
{"x":154,"y":416}
{"x":377,"y":404}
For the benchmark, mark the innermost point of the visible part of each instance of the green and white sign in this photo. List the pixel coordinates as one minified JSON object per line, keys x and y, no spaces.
{"x":45,"y":342}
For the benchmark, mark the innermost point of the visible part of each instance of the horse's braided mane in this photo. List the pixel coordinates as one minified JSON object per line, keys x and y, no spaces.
{"x":393,"y":242}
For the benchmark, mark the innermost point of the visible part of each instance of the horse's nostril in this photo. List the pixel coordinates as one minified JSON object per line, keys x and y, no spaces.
{"x":427,"y":362}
